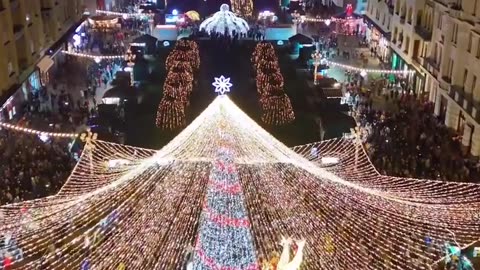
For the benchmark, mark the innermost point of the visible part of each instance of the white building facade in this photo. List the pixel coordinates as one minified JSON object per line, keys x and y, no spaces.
{"x":453,"y":65}
{"x":378,"y":16}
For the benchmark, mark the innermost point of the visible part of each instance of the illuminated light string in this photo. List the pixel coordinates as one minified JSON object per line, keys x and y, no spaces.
{"x":93,"y":56}
{"x":383,"y":71}
{"x":38,"y":132}
{"x":123,"y":14}
{"x":349,"y":215}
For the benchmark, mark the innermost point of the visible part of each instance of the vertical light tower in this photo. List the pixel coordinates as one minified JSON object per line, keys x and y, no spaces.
{"x":242,"y":8}
{"x":317,"y":57}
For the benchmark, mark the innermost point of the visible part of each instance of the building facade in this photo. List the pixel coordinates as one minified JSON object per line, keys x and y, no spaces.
{"x":378,"y":17}
{"x":27,"y":30}
{"x":453,"y":65}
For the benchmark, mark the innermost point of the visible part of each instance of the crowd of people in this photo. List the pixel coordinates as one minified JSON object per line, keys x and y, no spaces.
{"x":413,"y":142}
{"x":32,"y":166}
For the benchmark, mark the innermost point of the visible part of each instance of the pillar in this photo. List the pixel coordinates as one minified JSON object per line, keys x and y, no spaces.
{"x":475,"y":150}
{"x":451,"y":119}
{"x":437,"y":99}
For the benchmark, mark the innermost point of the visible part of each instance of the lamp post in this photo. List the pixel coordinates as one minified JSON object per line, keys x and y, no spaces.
{"x":317,"y":57}
{"x":357,"y":140}
{"x":89,"y":138}
{"x":130,"y":58}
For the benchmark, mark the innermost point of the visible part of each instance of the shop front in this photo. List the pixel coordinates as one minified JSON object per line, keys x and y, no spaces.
{"x":414,"y":82}
{"x":15,"y":103}
{"x":378,"y":38}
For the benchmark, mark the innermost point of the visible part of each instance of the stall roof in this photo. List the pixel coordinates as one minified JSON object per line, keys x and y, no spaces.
{"x":300,"y":38}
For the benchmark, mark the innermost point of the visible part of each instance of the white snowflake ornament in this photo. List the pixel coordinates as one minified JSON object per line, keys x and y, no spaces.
{"x":222,"y":85}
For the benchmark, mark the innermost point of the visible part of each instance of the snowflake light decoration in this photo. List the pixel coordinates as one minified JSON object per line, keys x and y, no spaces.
{"x":222,"y":85}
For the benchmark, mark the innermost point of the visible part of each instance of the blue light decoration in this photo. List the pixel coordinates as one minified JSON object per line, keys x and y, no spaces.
{"x":280,"y":43}
{"x":222,"y":85}
{"x":85,"y":264}
{"x":166,"y":43}
{"x":174,"y":12}
{"x":428,"y":240}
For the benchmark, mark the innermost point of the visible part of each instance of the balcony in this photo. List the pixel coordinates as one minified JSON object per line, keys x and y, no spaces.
{"x":423,"y":32}
{"x":391,"y":8}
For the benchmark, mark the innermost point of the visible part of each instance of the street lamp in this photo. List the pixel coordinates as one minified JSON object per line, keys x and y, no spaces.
{"x":317,"y":57}
{"x":130,"y":58}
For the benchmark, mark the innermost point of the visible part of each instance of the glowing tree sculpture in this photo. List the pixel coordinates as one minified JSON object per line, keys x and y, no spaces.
{"x":225,"y":22}
{"x":224,"y":238}
{"x":243,"y":8}
{"x":180,"y":64}
{"x":143,"y":209}
{"x":276,"y":106}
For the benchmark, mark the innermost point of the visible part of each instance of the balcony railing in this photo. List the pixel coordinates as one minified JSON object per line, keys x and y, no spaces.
{"x":423,"y":32}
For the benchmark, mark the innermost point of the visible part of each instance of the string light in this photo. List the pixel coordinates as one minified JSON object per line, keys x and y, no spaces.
{"x":37,"y":132}
{"x":122,"y":14}
{"x":357,"y":69}
{"x":93,"y":56}
{"x":276,"y":106}
{"x":144,"y":212}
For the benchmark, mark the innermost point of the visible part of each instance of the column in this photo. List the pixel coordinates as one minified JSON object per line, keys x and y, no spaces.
{"x":437,"y":99}
{"x":475,"y":150}
{"x":451,"y":119}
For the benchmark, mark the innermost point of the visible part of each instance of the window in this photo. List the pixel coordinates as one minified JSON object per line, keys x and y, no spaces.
{"x":450,"y":68}
{"x":474,"y":83}
{"x":478,"y":48}
{"x":454,"y":33}
{"x":470,"y":40}
{"x":465,"y":75}
{"x":10,"y":68}
{"x":439,"y":22}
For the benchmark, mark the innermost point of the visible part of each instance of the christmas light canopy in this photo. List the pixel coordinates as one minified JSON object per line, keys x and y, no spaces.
{"x":222,"y":85}
{"x":225,"y":21}
{"x":226,"y":192}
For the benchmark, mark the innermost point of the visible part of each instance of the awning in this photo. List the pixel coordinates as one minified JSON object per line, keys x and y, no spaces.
{"x":45,"y":64}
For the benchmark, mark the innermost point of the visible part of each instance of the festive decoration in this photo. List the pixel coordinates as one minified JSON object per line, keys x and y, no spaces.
{"x":350,"y":218}
{"x":242,"y":8}
{"x":178,"y":85}
{"x":93,"y":56}
{"x":171,"y":113}
{"x":366,"y":71}
{"x":225,"y":22}
{"x":276,"y":106}
{"x":224,"y":239}
{"x":123,"y":14}
{"x":222,"y":85}
{"x":37,"y":132}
